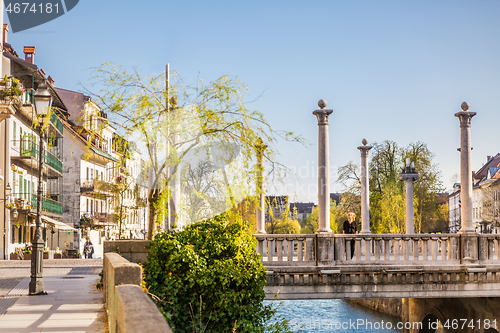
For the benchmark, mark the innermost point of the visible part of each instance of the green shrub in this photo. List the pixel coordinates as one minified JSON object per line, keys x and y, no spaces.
{"x":208,"y":278}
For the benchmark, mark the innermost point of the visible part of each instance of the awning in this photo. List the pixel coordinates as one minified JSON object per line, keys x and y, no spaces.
{"x":57,"y":224}
{"x":103,"y":154}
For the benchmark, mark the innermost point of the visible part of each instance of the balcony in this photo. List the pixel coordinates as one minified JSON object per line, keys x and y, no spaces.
{"x":96,"y":187}
{"x":6,"y":105}
{"x":29,"y":201}
{"x":48,"y":205}
{"x":29,"y":150}
{"x":97,"y":220}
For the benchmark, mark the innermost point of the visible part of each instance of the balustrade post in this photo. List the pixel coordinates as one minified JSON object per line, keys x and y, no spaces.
{"x":469,"y":239}
{"x":323,"y":168}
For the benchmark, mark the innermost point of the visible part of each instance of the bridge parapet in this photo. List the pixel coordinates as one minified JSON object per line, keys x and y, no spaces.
{"x":393,"y":249}
{"x":397,"y":265}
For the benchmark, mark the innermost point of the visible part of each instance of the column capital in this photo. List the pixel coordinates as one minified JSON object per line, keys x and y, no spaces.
{"x":322,"y":115}
{"x":465,"y":118}
{"x":365,"y":149}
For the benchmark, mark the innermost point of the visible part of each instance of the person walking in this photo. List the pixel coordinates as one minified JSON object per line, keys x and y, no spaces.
{"x":351,"y":227}
{"x":88,"y":249}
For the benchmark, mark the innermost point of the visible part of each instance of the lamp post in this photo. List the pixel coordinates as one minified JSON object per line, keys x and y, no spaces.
{"x":409,"y":175}
{"x":6,"y":200}
{"x":43,"y":101}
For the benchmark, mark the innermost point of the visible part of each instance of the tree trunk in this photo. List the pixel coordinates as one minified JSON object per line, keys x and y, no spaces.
{"x":152,"y":201}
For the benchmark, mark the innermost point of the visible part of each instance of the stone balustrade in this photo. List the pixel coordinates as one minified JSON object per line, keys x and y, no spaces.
{"x":370,"y":249}
{"x":287,"y":250}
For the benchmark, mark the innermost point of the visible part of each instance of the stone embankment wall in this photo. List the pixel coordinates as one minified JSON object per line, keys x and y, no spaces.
{"x":129,"y":308}
{"x":390,"y":306}
{"x":132,"y":250}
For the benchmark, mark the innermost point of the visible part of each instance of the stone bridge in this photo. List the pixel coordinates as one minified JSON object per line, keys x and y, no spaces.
{"x":382,"y":266}
{"x":439,"y":276}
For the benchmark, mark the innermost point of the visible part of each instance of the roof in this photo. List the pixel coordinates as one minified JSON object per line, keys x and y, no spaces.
{"x":93,"y":148}
{"x":302,"y":207}
{"x":483,"y":172}
{"x":278,"y":199}
{"x":74,"y":101}
{"x":335,"y":197}
{"x":27,"y":72}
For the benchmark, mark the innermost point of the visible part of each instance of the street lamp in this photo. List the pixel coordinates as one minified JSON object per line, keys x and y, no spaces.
{"x":8,"y":191}
{"x":43,"y":101}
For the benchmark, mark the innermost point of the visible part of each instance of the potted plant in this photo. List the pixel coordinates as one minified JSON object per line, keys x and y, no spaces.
{"x":13,"y":256}
{"x":57,"y":255}
{"x":14,"y":90}
{"x":27,"y":255}
{"x":45,"y":254}
{"x":4,"y":81}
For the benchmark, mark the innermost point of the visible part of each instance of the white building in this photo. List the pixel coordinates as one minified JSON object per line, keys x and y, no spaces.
{"x":485,"y":199}
{"x":19,"y":147}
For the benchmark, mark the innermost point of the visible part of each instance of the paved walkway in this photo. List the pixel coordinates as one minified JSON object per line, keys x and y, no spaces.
{"x":73,"y":303}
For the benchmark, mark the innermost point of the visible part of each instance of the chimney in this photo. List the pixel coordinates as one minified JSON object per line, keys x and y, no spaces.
{"x":488,"y":158}
{"x":43,"y":72}
{"x":29,"y":54}
{"x":5,"y":30}
{"x":50,"y":80}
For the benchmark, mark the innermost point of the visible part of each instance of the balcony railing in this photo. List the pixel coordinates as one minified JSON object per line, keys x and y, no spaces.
{"x":96,"y":218}
{"x":56,"y":122}
{"x":48,"y":205}
{"x":30,"y":149}
{"x":30,"y":201}
{"x":95,"y":185}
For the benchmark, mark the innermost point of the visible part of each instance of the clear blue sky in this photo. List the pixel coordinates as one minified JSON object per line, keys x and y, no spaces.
{"x":394,"y":70}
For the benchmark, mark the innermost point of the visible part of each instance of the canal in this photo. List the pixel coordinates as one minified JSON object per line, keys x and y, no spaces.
{"x":335,"y":315}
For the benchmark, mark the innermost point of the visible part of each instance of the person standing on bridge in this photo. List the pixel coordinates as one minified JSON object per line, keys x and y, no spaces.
{"x":351,"y":227}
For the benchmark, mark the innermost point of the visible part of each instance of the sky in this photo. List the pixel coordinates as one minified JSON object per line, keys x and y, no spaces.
{"x":390,"y":70}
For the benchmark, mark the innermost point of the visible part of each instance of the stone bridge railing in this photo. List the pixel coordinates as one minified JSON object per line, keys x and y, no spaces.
{"x":373,"y":249}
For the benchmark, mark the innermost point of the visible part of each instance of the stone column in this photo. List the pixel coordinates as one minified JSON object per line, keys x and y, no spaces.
{"x":409,"y":176}
{"x":468,"y":234}
{"x":323,"y":168}
{"x":365,"y":190}
{"x":260,"y":211}
{"x":465,"y":118}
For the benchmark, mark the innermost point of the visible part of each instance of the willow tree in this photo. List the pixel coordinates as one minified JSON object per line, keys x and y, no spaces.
{"x":174,"y":123}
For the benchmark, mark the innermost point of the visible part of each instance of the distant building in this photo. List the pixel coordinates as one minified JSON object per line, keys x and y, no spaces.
{"x":301,"y":210}
{"x":276,"y":206}
{"x":485,"y":199}
{"x":335,"y":197}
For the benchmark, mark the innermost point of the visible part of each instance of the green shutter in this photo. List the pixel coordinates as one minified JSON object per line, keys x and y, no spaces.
{"x":21,"y":187}
{"x":14,"y":132}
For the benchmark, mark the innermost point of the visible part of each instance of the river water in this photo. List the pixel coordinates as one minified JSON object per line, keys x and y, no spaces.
{"x":335,"y":315}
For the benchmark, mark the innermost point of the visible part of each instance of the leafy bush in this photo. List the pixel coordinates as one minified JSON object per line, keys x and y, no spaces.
{"x":208,"y":278}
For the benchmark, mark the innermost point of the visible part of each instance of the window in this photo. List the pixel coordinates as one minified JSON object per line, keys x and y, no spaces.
{"x":21,"y":186}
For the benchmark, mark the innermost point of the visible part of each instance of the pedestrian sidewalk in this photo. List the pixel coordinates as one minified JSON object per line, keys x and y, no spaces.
{"x":73,"y":304}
